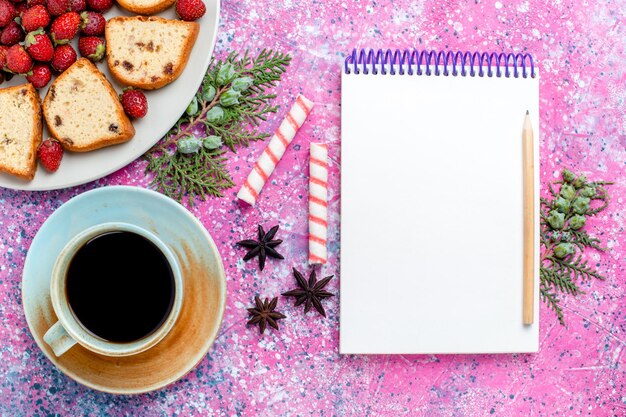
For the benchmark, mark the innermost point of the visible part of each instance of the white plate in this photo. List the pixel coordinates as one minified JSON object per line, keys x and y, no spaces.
{"x":165,"y":106}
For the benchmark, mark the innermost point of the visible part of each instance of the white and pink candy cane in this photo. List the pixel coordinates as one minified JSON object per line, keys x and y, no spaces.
{"x":274,"y":150}
{"x":318,"y":203}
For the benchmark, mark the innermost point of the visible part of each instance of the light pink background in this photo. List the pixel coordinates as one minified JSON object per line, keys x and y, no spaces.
{"x":297,"y":371}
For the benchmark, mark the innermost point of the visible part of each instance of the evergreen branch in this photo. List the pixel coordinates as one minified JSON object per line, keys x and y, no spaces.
{"x":563,"y":216}
{"x":231,"y":103}
{"x":582,"y":239}
{"x":558,"y":280}
{"x":593,"y":212}
{"x":552,"y":301}
{"x":202,"y":174}
{"x":268,"y":68}
{"x":575,"y":267}
{"x":551,"y":189}
{"x":235,"y":135}
{"x":545,"y":202}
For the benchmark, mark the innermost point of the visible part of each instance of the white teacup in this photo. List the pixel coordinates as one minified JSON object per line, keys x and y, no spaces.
{"x":68,"y":331}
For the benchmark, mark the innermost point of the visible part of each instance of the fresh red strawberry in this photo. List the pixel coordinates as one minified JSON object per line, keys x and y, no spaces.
{"x":93,"y":23}
{"x":39,"y":46}
{"x":18,"y":60}
{"x":78,"y":5}
{"x":134,"y":103}
{"x":65,"y":27}
{"x":3,"y":56}
{"x":190,"y":10}
{"x":20,"y":8}
{"x":64,"y":56}
{"x":36,"y":17}
{"x":41,"y":76}
{"x":100,"y":5}
{"x":12,"y":34}
{"x":31,"y":3}
{"x":91,"y":47}
{"x":7,"y":13}
{"x":58,"y":7}
{"x":50,"y":154}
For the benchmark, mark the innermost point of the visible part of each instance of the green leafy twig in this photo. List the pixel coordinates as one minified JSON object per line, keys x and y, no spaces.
{"x":203,"y":175}
{"x":551,"y":300}
{"x":562,"y":282}
{"x":583,"y":240}
{"x":563,"y":216}
{"x":224,"y":114}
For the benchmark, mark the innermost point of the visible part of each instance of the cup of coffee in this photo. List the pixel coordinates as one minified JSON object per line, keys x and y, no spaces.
{"x":116,"y":289}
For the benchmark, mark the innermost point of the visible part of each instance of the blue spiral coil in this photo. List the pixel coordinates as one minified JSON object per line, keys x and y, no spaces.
{"x":437,"y":63}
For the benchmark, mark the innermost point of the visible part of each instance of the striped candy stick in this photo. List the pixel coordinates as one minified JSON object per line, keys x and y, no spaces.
{"x":318,"y":203}
{"x":263,"y":168}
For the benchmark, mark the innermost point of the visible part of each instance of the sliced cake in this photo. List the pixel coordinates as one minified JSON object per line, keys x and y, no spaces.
{"x":148,"y":52}
{"x":145,"y":7}
{"x":82,"y":110}
{"x":20,"y":130}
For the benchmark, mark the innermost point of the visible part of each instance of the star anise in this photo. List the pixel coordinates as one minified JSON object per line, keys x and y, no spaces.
{"x":263,"y":313}
{"x":263,"y":247}
{"x":310,"y":293}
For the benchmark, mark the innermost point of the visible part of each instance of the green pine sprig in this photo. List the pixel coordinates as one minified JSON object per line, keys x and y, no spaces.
{"x":573,"y":199}
{"x":225,"y":114}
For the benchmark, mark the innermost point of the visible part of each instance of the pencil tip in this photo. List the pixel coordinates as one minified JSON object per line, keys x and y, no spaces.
{"x":526,"y":111}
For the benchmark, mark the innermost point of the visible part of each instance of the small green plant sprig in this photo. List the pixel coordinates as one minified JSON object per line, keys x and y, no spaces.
{"x":224,"y":114}
{"x":573,"y":199}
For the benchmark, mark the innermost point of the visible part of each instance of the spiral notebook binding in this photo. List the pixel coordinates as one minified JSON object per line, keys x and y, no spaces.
{"x":423,"y":62}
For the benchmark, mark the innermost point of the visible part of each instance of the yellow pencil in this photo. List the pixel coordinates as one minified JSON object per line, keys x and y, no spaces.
{"x":529,"y":220}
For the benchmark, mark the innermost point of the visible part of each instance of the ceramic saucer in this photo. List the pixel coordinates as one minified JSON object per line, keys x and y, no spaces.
{"x":204,"y":282}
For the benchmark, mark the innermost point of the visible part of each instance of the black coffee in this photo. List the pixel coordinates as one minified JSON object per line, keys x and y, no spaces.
{"x":120,"y":286}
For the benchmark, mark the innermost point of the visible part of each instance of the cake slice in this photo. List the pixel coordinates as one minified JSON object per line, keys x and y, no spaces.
{"x":83,"y":111}
{"x":20,"y":130}
{"x":148,"y":52}
{"x":145,"y":7}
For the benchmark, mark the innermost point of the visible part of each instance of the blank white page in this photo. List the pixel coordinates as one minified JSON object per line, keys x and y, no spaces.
{"x":432,"y":214}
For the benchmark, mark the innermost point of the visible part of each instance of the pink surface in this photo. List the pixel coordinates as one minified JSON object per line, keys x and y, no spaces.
{"x":579,"y":370}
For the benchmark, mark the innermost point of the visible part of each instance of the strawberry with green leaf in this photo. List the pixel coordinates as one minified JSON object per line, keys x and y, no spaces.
{"x":39,"y":46}
{"x":65,"y":27}
{"x":18,"y":60}
{"x":40,"y":75}
{"x":92,"y":48}
{"x":36,"y":17}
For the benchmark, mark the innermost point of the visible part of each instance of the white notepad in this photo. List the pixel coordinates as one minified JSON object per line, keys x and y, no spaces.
{"x":432,"y":207}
